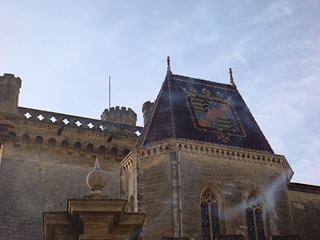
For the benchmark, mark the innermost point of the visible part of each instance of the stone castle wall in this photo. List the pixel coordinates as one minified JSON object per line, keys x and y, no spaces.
{"x":233,"y":173}
{"x":305,"y":207}
{"x":233,"y":182}
{"x":34,"y":180}
{"x":46,"y":156}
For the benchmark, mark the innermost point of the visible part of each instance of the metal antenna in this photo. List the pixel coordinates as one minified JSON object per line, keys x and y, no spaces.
{"x":109,"y":91}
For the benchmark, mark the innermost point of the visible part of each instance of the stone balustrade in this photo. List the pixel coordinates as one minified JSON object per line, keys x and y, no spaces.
{"x":34,"y":115}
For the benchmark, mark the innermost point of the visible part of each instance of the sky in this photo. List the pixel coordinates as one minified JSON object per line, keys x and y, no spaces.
{"x":65,"y":51}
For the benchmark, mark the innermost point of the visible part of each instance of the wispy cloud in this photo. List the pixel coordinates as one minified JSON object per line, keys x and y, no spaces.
{"x":64,"y":53}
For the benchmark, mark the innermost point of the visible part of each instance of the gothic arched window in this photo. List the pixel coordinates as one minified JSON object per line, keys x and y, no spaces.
{"x":209,"y":215}
{"x":254,"y":219}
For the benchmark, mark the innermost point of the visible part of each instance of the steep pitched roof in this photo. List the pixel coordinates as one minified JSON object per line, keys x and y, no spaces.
{"x":201,"y":110}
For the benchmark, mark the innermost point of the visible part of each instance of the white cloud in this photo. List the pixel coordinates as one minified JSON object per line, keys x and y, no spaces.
{"x":64,"y":53}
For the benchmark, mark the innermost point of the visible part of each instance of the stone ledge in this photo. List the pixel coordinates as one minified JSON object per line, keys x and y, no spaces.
{"x":299,"y":187}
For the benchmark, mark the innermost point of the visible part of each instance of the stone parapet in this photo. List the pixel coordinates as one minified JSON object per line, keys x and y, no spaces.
{"x":65,"y":134}
{"x":64,"y":120}
{"x":121,"y":115}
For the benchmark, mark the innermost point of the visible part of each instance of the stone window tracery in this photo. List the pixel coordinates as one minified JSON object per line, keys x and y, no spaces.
{"x":209,"y":215}
{"x":254,"y":215}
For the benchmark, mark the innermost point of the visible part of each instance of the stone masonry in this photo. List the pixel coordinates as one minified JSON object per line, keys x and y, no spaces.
{"x":45,"y":157}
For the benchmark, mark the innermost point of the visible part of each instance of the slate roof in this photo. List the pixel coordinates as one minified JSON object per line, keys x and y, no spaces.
{"x":201,"y":110}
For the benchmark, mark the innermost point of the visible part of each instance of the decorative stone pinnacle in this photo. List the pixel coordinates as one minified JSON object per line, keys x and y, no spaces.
{"x":168,"y":67}
{"x":231,"y":78}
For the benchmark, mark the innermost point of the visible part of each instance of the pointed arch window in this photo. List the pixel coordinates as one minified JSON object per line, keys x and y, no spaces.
{"x":254,"y":215}
{"x":209,"y":215}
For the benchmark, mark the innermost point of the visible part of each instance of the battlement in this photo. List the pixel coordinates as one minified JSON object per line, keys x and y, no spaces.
{"x":121,"y":115}
{"x":10,"y":80}
{"x":117,"y":108}
{"x":9,"y":94}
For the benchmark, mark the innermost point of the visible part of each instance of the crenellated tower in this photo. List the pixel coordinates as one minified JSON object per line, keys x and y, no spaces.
{"x":120,"y":115}
{"x":9,"y":93}
{"x":9,"y":97}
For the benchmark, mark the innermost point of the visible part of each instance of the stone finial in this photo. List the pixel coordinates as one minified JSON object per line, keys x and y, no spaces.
{"x":231,"y":78}
{"x":168,"y":65}
{"x":96,"y":179}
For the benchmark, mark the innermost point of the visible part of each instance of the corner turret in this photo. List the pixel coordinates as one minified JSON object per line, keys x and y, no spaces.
{"x":9,"y":98}
{"x":9,"y":93}
{"x":120,"y":115}
{"x":146,"y":109}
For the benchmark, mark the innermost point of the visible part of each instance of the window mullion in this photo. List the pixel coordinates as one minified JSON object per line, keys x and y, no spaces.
{"x":255,"y":224}
{"x":210,"y":221}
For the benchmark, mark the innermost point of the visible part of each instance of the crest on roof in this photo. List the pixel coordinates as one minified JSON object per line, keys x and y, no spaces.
{"x":213,"y":113}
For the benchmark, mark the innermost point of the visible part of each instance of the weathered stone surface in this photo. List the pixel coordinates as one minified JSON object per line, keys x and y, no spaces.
{"x":93,"y":219}
{"x":163,"y":173}
{"x":46,"y":156}
{"x":40,"y":168}
{"x":305,"y":207}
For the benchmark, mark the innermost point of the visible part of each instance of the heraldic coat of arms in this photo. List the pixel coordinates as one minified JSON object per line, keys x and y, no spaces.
{"x":213,"y":113}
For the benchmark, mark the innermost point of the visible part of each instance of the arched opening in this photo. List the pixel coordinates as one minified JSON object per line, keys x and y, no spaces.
{"x":125,"y":152}
{"x":102,"y":152}
{"x":64,"y":146}
{"x":77,"y":148}
{"x":89,"y":149}
{"x":38,"y":142}
{"x":210,"y":214}
{"x":254,"y":216}
{"x":25,"y":140}
{"x":114,"y":154}
{"x":51,"y":144}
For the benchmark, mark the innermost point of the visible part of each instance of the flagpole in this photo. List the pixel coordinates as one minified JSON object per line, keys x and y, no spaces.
{"x":109,"y":91}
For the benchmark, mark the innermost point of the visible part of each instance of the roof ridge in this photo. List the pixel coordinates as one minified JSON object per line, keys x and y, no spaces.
{"x":146,"y":128}
{"x":171,"y":106}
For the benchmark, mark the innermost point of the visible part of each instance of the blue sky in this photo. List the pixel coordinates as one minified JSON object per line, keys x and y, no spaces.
{"x":64,"y":52}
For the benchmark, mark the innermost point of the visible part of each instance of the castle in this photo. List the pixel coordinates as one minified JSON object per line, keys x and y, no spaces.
{"x":200,"y":168}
